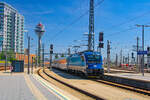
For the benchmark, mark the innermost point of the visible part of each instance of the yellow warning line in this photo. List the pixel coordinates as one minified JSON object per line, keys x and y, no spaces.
{"x":34,"y":89}
{"x":56,"y":92}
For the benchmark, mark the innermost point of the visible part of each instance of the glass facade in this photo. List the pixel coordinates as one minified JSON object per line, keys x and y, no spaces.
{"x":11,"y":28}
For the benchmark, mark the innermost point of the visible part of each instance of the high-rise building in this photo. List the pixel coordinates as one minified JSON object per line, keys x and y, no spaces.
{"x":11,"y":28}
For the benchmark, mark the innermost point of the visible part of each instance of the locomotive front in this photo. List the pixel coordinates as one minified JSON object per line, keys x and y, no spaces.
{"x":94,"y":64}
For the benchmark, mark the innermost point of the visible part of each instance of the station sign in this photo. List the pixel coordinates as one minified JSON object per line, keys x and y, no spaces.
{"x":142,"y":52}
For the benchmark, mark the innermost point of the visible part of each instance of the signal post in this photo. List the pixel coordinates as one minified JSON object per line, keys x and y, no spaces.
{"x":51,"y":52}
{"x":108,"y":56}
{"x":101,"y":44}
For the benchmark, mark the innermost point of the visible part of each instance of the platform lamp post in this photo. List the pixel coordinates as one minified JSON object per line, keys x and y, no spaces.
{"x":28,"y":54}
{"x":29,"y":39}
{"x":28,"y":51}
{"x":32,"y":65}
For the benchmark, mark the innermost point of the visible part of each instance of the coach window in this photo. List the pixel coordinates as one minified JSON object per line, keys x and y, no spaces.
{"x":82,"y":58}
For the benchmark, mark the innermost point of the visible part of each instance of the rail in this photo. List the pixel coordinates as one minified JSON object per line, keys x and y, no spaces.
{"x":70,"y":86}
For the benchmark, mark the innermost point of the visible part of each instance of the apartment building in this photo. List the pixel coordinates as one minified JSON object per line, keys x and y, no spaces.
{"x":11,"y":29}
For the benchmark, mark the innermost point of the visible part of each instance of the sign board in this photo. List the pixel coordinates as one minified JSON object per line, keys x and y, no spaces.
{"x":142,"y":52}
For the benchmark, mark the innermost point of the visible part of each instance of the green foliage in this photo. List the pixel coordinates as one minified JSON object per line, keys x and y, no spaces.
{"x":56,"y":56}
{"x":2,"y":56}
{"x":3,"y":61}
{"x":62,"y":55}
{"x":34,"y":59}
{"x":39,"y":60}
{"x":10,"y":55}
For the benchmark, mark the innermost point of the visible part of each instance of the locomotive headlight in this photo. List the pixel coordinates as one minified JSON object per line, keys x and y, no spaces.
{"x":95,"y":66}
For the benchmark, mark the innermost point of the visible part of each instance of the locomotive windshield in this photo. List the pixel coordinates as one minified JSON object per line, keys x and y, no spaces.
{"x":93,"y":58}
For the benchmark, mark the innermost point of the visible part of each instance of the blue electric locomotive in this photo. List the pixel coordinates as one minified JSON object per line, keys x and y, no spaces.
{"x":89,"y":63}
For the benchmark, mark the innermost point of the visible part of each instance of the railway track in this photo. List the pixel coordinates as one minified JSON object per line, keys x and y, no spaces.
{"x":93,"y":88}
{"x":122,"y":86}
{"x":92,"y":96}
{"x":137,"y":90}
{"x":3,"y":68}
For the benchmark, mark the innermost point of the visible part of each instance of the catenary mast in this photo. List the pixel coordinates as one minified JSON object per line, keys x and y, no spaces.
{"x":91,"y":27}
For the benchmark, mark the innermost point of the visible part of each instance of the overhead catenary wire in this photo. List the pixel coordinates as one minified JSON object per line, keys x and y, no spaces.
{"x":125,"y":30}
{"x":116,"y":33}
{"x":129,"y":20}
{"x":109,"y":35}
{"x":125,"y":22}
{"x":120,"y":24}
{"x":74,"y":21}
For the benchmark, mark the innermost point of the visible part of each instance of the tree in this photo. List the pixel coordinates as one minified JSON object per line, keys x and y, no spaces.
{"x":56,"y":56}
{"x":2,"y":56}
{"x":62,"y":55}
{"x":10,"y":55}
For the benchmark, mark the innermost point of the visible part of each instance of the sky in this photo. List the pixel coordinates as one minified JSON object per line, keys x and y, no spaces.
{"x":116,"y":18}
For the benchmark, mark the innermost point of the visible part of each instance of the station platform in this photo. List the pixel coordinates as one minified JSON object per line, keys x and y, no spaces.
{"x":136,"y":76}
{"x":21,"y":86}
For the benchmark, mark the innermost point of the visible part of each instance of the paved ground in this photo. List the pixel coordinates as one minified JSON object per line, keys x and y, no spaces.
{"x":43,"y":90}
{"x":20,"y":86}
{"x":14,"y":88}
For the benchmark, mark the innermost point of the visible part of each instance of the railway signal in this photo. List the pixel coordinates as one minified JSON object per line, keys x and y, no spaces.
{"x":51,"y":49}
{"x":101,"y":34}
{"x":148,"y":57}
{"x":51,"y":52}
{"x":101,"y":45}
{"x":101,"y":39}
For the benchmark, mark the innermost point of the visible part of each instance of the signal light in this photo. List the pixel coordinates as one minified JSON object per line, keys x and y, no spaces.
{"x":101,"y":34}
{"x":51,"y":49}
{"x":148,"y":48}
{"x":51,"y":46}
{"x":132,"y":55}
{"x":148,"y":51}
{"x":101,"y":45}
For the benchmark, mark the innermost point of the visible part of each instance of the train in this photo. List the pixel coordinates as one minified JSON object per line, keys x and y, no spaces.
{"x":88,"y":63}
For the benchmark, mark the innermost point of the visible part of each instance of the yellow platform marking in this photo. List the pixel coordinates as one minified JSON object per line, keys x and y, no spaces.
{"x":51,"y":89}
{"x":35,"y":91}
